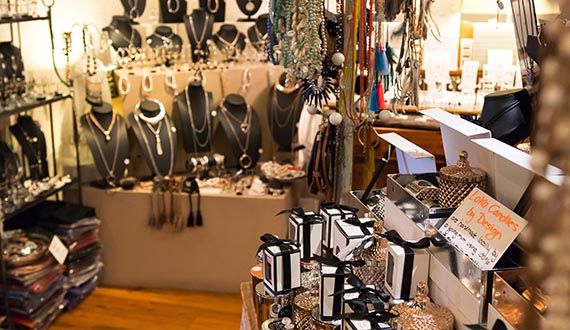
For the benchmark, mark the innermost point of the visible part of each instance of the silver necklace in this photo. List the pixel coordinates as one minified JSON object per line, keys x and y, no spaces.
{"x":289,"y":109}
{"x":245,"y":160}
{"x":193,"y":30}
{"x":156,"y":133}
{"x":152,"y":120}
{"x":110,"y":178}
{"x":149,"y":150}
{"x":206,"y":123}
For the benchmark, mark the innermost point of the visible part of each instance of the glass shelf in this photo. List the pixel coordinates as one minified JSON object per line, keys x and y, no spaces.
{"x":39,"y":199}
{"x":10,"y":20}
{"x":33,"y":105}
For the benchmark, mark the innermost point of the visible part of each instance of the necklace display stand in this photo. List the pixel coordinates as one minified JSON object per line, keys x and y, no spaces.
{"x":194,"y":105}
{"x":216,"y":8}
{"x":163,"y":36}
{"x":249,"y":8}
{"x":108,"y":140}
{"x":199,"y":25}
{"x":12,"y":56}
{"x":134,"y":8}
{"x":285,"y":107}
{"x":229,"y":36}
{"x":156,"y":135}
{"x":172,"y":11}
{"x":122,"y":33}
{"x":242,"y":129}
{"x":257,"y":33}
{"x":33,"y":142}
{"x":10,"y":169}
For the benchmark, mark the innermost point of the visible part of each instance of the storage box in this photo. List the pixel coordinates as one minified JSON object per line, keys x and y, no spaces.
{"x":333,"y":280}
{"x":346,"y":234}
{"x":332,"y":213}
{"x":309,"y":235}
{"x":349,"y":324}
{"x":405,"y":268}
{"x":281,"y":268}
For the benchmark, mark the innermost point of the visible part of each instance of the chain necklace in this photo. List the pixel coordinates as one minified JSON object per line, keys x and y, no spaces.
{"x":193,"y":31}
{"x":110,"y":178}
{"x":166,"y":40}
{"x":133,"y":11}
{"x":156,"y":133}
{"x":288,"y":109}
{"x":106,"y":132}
{"x":206,"y":123}
{"x":245,"y":160}
{"x":149,"y":150}
{"x":229,"y":44}
{"x":122,"y":35}
{"x":34,"y":144}
{"x":215,"y":8}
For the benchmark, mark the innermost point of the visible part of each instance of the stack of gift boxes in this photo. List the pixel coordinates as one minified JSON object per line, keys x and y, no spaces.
{"x":332,"y":238}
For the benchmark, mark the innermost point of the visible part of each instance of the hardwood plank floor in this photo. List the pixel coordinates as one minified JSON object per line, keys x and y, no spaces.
{"x":116,"y":308}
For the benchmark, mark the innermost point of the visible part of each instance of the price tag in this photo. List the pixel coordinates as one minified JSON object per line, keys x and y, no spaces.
{"x":58,"y":249}
{"x":482,"y":229}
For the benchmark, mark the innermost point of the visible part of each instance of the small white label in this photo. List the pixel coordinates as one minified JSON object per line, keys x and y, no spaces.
{"x":58,"y":249}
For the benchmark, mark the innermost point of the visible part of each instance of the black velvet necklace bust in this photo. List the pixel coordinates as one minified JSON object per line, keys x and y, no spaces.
{"x":285,"y":107}
{"x":122,"y":33}
{"x":134,"y":8}
{"x":172,"y":11}
{"x":163,"y":36}
{"x":110,"y":150}
{"x":228,"y":36}
{"x":158,"y":153}
{"x":33,"y":142}
{"x":199,"y":25}
{"x":257,"y":33}
{"x":245,"y":144}
{"x":195,"y":117}
{"x":216,"y":8}
{"x":249,"y":8}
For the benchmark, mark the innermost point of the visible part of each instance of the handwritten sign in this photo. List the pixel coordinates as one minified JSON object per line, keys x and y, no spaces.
{"x":482,"y":229}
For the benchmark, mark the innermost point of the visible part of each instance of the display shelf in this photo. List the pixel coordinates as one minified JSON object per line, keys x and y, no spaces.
{"x":10,"y":20}
{"x":34,"y":105}
{"x":39,"y":199}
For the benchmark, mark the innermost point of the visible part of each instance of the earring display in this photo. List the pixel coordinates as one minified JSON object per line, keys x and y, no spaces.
{"x":172,"y":11}
{"x":163,"y":36}
{"x":122,"y":33}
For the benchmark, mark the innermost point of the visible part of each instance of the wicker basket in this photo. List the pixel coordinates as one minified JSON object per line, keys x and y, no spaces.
{"x":457,"y":181}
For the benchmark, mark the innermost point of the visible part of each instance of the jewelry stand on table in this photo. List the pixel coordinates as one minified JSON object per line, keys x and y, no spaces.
{"x":172,"y":11}
{"x":216,"y":8}
{"x":156,"y":135}
{"x":285,"y":106}
{"x":193,"y":106}
{"x":249,"y":8}
{"x":198,"y":36}
{"x":108,"y":139}
{"x":122,"y":33}
{"x":163,"y":36}
{"x":134,"y":9}
{"x":242,"y":129}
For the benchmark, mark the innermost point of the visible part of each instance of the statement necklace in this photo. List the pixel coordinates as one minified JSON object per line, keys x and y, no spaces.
{"x":193,"y":31}
{"x":91,"y":120}
{"x":229,"y":44}
{"x":206,"y":123}
{"x":245,"y":160}
{"x":149,"y":150}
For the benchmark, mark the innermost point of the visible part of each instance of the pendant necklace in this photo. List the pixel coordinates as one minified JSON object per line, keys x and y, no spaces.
{"x":166,"y":40}
{"x":245,"y":160}
{"x":106,"y":132}
{"x":170,"y":131}
{"x":206,"y":123}
{"x":110,"y":178}
{"x":133,"y":11}
{"x":34,"y":145}
{"x":249,"y":6}
{"x":193,"y":31}
{"x":227,"y":43}
{"x":156,"y":133}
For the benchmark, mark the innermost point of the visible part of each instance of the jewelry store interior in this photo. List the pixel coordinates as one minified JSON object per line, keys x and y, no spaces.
{"x":284,"y":164}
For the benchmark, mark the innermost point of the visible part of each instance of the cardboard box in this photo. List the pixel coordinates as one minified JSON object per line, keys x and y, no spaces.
{"x":346,"y":234}
{"x":332,"y":213}
{"x":309,"y":236}
{"x":405,"y":268}
{"x":281,"y":268}
{"x":333,"y":280}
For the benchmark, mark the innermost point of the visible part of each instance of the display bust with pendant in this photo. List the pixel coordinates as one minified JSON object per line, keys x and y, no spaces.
{"x":229,"y":38}
{"x":156,"y":135}
{"x":163,"y":36}
{"x":199,"y":25}
{"x":108,"y":140}
{"x":33,"y":142}
{"x":122,"y":33}
{"x":242,"y":129}
{"x":134,"y":8}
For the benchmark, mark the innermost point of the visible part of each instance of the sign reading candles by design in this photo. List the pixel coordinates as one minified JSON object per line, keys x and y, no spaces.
{"x":482,"y":229}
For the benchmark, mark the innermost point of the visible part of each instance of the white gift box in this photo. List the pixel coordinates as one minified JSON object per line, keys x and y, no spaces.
{"x":349,"y":324}
{"x":346,"y":234}
{"x":281,"y":268}
{"x":309,"y":236}
{"x":332,"y":280}
{"x":332,"y":213}
{"x":405,"y":268}
{"x":350,"y":296}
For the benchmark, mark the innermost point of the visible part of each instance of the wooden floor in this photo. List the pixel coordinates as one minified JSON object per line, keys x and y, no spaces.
{"x":114,"y":308}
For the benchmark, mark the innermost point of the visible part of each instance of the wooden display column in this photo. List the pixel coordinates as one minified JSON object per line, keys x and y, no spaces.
{"x":216,"y":257}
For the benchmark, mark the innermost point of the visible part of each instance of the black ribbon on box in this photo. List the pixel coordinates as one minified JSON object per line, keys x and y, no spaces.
{"x":369,"y":295}
{"x":286,"y":247}
{"x":308,"y":220}
{"x":361,"y":312}
{"x":341,"y":207}
{"x":409,"y":247}
{"x":363,"y":225}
